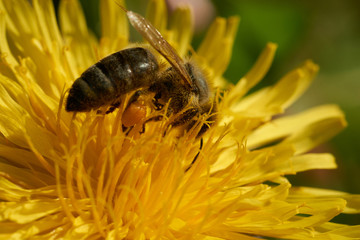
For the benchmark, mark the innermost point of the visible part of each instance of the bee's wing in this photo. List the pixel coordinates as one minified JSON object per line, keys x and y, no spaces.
{"x":153,"y":36}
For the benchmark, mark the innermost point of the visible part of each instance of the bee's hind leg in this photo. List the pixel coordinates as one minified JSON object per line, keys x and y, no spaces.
{"x":126,"y":129}
{"x":155,"y":119}
{"x":112,"y":107}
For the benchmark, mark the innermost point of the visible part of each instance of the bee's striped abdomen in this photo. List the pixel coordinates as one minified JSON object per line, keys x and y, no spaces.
{"x":111,"y":77}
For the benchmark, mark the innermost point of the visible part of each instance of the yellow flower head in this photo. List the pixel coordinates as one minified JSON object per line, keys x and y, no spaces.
{"x":85,"y":176}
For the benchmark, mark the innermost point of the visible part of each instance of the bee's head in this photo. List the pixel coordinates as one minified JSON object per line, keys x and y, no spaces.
{"x":169,"y":88}
{"x":200,"y":86}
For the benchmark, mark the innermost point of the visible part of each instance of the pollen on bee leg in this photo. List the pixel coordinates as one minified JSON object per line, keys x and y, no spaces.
{"x":133,"y":114}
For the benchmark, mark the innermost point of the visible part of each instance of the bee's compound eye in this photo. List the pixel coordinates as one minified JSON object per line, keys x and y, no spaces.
{"x":133,"y":114}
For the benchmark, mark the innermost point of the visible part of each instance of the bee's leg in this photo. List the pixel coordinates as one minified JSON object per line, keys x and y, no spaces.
{"x":155,"y":119}
{"x":209,"y":122}
{"x":124,"y":129}
{"x":157,"y":106}
{"x":142,"y":129}
{"x":112,"y":107}
{"x":196,"y":156}
{"x":136,"y":96}
{"x":186,"y":117}
{"x":208,"y":109}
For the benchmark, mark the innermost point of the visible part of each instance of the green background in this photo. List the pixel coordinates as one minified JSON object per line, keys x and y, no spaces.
{"x":328,"y":32}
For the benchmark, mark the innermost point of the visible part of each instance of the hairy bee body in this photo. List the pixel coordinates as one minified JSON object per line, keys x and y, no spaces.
{"x":115,"y":75}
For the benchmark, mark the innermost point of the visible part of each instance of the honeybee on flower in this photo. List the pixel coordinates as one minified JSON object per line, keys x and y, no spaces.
{"x":82,"y":176}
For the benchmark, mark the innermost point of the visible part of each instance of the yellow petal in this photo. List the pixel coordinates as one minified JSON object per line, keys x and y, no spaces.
{"x":46,"y":19}
{"x":52,"y":223}
{"x":13,"y":190}
{"x":256,"y":73}
{"x":72,"y":19}
{"x":11,"y":125}
{"x":33,"y":49}
{"x":306,"y":193}
{"x":20,"y":18}
{"x":156,"y":13}
{"x":5,"y":52}
{"x":288,"y":125}
{"x":263,"y":165}
{"x":216,"y":49}
{"x":114,"y":27}
{"x":273,"y":100}
{"x":316,"y":133}
{"x":76,"y":34}
{"x":28,"y":211}
{"x":344,"y":233}
{"x":181,"y":26}
{"x":289,"y":225}
{"x":312,"y":161}
{"x":23,"y":176}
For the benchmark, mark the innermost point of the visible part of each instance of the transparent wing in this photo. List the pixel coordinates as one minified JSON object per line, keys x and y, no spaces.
{"x":153,"y":36}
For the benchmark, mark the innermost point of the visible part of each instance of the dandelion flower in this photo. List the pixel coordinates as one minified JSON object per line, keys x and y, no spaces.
{"x":66,"y":176}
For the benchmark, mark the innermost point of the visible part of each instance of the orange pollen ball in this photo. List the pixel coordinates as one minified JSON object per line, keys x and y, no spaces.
{"x":133,"y":114}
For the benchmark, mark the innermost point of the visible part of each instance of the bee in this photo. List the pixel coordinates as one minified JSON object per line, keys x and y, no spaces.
{"x":182,"y":87}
